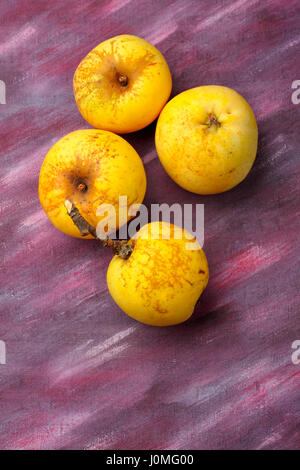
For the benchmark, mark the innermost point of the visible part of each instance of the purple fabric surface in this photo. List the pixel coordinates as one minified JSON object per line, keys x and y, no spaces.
{"x":80,"y":374}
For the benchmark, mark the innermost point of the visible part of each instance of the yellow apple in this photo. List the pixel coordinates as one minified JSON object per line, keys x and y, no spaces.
{"x":206,"y":139}
{"x":162,"y":280}
{"x":89,"y":167}
{"x":122,"y":84}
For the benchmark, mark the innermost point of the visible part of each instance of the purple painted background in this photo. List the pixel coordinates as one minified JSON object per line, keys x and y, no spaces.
{"x":80,"y":374}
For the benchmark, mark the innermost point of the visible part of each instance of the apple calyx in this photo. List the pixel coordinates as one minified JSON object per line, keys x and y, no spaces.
{"x":119,"y":247}
{"x":212,"y":121}
{"x":123,"y":79}
{"x":82,"y":187}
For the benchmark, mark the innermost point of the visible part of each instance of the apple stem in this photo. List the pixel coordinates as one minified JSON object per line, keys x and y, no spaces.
{"x":119,"y":247}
